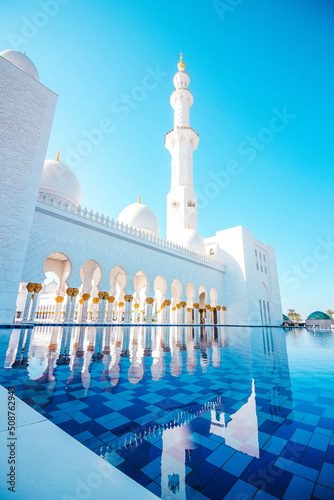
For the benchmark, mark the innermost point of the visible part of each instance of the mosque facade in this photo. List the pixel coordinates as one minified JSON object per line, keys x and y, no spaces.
{"x":61,"y":262}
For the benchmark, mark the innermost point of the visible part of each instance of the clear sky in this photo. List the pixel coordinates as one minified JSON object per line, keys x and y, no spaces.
{"x":250,"y":61}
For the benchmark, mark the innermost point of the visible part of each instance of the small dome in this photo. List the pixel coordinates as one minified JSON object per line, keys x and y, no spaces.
{"x":21,"y":61}
{"x":140,"y":217}
{"x":318,"y":315}
{"x":191,"y":239}
{"x":59,"y":180}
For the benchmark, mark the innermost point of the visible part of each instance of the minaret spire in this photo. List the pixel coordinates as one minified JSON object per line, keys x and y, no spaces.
{"x":181,"y":142}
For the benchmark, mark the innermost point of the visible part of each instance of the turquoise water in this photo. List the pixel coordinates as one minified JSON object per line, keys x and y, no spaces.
{"x":205,"y":412}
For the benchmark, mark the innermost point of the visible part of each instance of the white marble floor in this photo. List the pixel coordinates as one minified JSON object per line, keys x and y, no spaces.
{"x":51,"y":465}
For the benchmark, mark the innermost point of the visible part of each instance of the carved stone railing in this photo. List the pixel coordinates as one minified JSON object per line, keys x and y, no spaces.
{"x":56,"y":202}
{"x":180,"y":127}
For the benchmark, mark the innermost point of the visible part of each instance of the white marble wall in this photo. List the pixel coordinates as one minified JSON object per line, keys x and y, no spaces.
{"x":26,"y":115}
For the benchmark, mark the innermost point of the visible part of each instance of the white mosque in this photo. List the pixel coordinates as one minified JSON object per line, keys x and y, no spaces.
{"x":64,"y":263}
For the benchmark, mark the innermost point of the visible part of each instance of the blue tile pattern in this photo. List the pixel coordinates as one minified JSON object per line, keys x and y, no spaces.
{"x":188,"y":412}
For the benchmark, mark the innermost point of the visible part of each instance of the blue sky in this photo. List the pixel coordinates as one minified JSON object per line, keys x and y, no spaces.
{"x":249,"y":61}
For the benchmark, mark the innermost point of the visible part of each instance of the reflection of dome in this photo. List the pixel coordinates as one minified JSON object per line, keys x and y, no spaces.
{"x":59,"y":180}
{"x":50,"y":287}
{"x":191,"y":239}
{"x":318,"y":315}
{"x":140,"y":217}
{"x":36,"y":367}
{"x":21,"y":61}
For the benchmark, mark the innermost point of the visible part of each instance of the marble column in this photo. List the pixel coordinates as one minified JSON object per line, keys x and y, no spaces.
{"x":30,"y":287}
{"x":111,"y":301}
{"x":222,"y":315}
{"x":95,"y":309}
{"x":69,"y":293}
{"x":135,"y":314}
{"x":59,"y":302}
{"x":183,"y":312}
{"x":85,"y":298}
{"x":120,"y":312}
{"x":173,"y":315}
{"x":103,"y":296}
{"x":149,"y":307}
{"x":128,"y":306}
{"x":73,"y":302}
{"x":196,"y":313}
{"x":34,"y":299}
{"x":212,"y":315}
{"x":167,"y":318}
{"x":207,"y":307}
{"x":218,"y":309}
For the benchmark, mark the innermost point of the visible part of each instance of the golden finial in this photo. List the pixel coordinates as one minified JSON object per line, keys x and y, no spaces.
{"x":181,"y":64}
{"x":188,"y":226}
{"x":139,"y":199}
{"x":57,"y":158}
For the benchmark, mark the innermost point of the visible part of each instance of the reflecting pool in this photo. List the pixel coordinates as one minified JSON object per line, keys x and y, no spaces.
{"x":188,"y":412}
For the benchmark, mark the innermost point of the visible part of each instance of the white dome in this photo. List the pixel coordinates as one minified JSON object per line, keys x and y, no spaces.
{"x":141,"y":217}
{"x":21,"y":61}
{"x":59,"y":180}
{"x":191,"y":239}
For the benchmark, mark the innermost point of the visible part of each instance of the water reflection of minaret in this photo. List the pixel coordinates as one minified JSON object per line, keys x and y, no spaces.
{"x":269,"y":348}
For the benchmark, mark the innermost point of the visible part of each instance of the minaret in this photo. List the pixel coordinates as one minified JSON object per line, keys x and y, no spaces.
{"x":181,"y":142}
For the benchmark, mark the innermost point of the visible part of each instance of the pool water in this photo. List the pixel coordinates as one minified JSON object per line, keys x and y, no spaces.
{"x":189,"y":413}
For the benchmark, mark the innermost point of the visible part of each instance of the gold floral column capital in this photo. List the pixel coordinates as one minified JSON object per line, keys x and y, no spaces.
{"x":30,"y":287}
